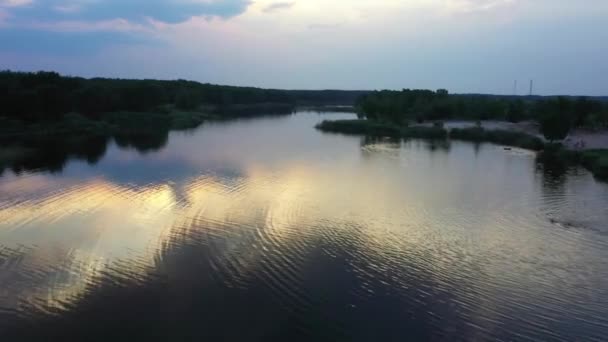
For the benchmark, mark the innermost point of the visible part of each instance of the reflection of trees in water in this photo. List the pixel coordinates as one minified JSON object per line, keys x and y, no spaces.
{"x":374,"y":140}
{"x":392,"y":146}
{"x":52,"y":154}
{"x":554,"y":171}
{"x":442,"y":145}
{"x":143,"y":142}
{"x":431,"y":145}
{"x":476,"y":147}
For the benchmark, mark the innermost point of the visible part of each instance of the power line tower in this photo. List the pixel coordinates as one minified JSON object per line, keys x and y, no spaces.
{"x":531,"y":87}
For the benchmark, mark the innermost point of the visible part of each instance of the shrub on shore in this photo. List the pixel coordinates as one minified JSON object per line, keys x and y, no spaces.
{"x":596,"y":161}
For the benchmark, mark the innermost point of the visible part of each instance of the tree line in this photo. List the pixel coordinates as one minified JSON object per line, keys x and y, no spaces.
{"x":43,"y":96}
{"x":555,"y":114}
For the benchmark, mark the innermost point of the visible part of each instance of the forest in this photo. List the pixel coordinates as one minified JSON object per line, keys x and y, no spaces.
{"x":48,"y":96}
{"x":556,"y":114}
{"x":421,"y":105}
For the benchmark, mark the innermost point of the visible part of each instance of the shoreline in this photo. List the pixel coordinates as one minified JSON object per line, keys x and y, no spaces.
{"x":593,"y":159}
{"x":593,"y":139}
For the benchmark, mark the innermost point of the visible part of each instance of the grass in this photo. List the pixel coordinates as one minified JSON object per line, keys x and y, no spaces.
{"x":502,"y":137}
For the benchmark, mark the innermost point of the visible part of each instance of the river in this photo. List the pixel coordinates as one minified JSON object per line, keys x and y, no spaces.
{"x":267,"y":229}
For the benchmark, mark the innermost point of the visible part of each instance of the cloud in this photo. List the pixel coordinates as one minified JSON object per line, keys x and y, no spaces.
{"x":170,"y":11}
{"x":61,"y":27}
{"x":277,"y":6}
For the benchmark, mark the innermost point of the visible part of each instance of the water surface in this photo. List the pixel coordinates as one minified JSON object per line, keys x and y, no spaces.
{"x":266,"y":229}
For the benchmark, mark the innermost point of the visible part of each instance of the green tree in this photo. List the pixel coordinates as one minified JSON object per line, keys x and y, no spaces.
{"x":516,"y":111}
{"x":555,"y":126}
{"x":442,"y":93}
{"x":186,"y":100}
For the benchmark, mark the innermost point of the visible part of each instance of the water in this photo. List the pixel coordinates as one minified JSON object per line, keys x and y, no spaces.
{"x":266,"y":229}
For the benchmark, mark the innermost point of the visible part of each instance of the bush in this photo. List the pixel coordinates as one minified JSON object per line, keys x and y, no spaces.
{"x":597,"y":162}
{"x":554,"y":126}
{"x":600,"y":169}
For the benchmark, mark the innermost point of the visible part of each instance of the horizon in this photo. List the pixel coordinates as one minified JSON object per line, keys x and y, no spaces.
{"x":305,"y":89}
{"x":313,"y":45}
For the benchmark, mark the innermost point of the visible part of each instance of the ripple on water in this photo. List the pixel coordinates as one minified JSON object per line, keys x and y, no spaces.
{"x":395,"y":241}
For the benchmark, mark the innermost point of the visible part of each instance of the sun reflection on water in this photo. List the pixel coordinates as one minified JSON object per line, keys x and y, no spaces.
{"x":391,"y":219}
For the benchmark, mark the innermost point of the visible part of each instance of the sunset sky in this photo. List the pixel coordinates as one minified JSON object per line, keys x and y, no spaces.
{"x":461,"y":45}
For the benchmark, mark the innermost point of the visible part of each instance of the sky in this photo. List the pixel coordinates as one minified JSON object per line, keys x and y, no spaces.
{"x":465,"y":46}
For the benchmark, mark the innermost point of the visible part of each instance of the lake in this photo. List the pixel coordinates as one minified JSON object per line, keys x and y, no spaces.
{"x":266,"y":229}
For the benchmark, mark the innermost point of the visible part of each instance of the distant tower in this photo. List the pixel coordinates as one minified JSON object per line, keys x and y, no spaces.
{"x":515,"y":87}
{"x":531,"y":87}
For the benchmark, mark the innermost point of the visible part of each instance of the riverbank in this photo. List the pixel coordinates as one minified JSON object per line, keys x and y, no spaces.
{"x":437,"y":131}
{"x":593,"y":139}
{"x":166,"y":117}
{"x":595,"y":160}
{"x":106,"y":124}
